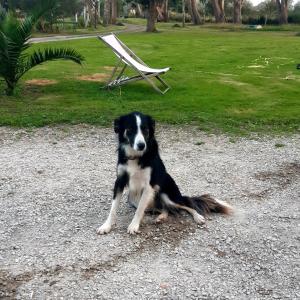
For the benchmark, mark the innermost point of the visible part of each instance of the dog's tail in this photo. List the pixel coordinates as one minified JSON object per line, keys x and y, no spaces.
{"x":205,"y":204}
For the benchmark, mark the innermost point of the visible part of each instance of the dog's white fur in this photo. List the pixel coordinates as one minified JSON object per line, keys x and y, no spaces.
{"x":139,"y":138}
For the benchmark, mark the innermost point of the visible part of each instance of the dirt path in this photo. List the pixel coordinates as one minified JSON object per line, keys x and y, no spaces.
{"x":55,"y":189}
{"x":56,"y":38}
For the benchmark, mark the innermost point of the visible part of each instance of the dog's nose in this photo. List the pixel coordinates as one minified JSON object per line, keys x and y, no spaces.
{"x":141,"y":146}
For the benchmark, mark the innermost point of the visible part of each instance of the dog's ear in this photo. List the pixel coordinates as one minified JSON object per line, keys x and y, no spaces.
{"x":117,"y":125}
{"x":151,"y":124}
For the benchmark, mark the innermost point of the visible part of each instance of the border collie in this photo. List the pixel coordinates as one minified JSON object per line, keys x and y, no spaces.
{"x":150,"y":186}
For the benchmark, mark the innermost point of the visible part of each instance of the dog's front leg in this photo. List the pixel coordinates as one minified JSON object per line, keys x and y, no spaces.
{"x":146,"y":198}
{"x":120,"y":184}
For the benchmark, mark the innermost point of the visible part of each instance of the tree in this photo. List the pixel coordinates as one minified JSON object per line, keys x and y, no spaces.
{"x":152,"y":13}
{"x":62,"y":9}
{"x":166,"y":10}
{"x":162,"y":9}
{"x":152,"y":16}
{"x":5,"y":5}
{"x":15,"y":60}
{"x":294,"y":13}
{"x":69,"y":7}
{"x":248,"y":10}
{"x":96,"y":13}
{"x":268,"y":9}
{"x":297,"y":7}
{"x":282,"y":6}
{"x":110,"y":12}
{"x":194,"y":12}
{"x":219,"y":12}
{"x":237,"y":11}
{"x":114,"y":11}
{"x":106,"y":13}
{"x":91,"y":12}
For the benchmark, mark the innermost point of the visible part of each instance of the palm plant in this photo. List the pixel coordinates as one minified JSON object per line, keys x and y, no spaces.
{"x":15,"y":59}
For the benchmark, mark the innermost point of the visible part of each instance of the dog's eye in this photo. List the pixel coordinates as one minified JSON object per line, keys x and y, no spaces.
{"x":129,"y":131}
{"x":145,"y":130}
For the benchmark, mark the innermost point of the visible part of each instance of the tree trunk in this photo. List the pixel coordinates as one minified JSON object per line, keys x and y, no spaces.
{"x":218,"y":6}
{"x":114,"y":11}
{"x":162,"y":11}
{"x":193,"y":11}
{"x":90,"y":14}
{"x":106,"y":13}
{"x":183,"y":13}
{"x":10,"y":88}
{"x":166,"y":10}
{"x":282,"y":6}
{"x":95,"y":14}
{"x":110,"y":12}
{"x":196,"y":16}
{"x":5,"y":5}
{"x":85,"y":16}
{"x":138,"y":11}
{"x":152,"y":16}
{"x":237,"y":11}
{"x":189,"y":7}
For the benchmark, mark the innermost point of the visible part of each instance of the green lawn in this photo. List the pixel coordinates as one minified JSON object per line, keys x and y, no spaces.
{"x":222,"y":80}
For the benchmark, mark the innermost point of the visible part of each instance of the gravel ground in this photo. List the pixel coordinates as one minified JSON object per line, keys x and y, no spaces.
{"x":55,"y":189}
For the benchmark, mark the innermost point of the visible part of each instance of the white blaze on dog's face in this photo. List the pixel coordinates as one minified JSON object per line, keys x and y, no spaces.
{"x":139,"y":140}
{"x":135,"y":132}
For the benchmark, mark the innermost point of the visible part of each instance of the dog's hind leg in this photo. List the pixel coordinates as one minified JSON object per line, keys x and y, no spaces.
{"x":199,"y":219}
{"x":120,"y":184}
{"x":162,"y":217}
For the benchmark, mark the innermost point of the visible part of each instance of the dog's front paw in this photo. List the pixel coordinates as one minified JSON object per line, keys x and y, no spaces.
{"x":105,"y":228}
{"x":133,"y":228}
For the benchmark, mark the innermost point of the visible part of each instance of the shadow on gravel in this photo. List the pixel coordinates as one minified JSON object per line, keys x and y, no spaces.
{"x":9,"y":284}
{"x":151,"y":238}
{"x":284,"y":176}
{"x":278,"y":179}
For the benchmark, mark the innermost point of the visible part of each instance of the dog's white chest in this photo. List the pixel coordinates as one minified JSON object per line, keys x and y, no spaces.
{"x":138,"y":178}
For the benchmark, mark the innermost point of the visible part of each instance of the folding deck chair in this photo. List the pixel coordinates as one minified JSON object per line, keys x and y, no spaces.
{"x":129,"y":59}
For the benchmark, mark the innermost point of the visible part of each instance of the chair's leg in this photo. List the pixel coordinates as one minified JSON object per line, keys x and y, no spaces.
{"x":162,"y":81}
{"x":153,"y":84}
{"x":122,"y":71}
{"x":113,"y":73}
{"x":167,"y":87}
{"x":148,"y":79}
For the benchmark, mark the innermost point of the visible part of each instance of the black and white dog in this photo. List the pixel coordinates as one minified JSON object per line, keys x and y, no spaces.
{"x":150,"y":186}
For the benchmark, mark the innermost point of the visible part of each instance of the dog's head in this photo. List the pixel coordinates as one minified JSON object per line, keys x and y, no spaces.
{"x":135,"y":132}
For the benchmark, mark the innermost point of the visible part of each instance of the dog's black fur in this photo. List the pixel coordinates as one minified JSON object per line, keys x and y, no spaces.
{"x":148,"y":158}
